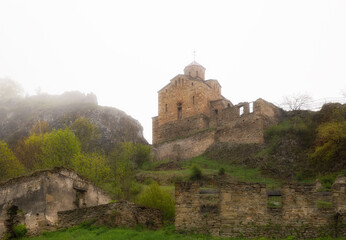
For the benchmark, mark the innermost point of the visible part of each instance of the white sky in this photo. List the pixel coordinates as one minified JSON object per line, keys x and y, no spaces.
{"x":125,"y":51}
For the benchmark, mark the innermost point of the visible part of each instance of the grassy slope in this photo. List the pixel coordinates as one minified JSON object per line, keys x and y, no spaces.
{"x":209,"y":168}
{"x":91,"y":233}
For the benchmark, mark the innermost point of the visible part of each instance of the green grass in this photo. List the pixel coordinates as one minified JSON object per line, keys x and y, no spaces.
{"x":103,"y":233}
{"x":324,"y":204}
{"x":82,"y":233}
{"x":239,"y":172}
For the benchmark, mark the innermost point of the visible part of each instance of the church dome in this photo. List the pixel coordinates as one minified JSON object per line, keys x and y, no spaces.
{"x":194,"y":63}
{"x":195,"y":70}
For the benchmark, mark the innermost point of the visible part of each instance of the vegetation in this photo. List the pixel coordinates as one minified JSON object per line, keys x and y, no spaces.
{"x":19,"y":230}
{"x":196,"y":172}
{"x":86,"y":232}
{"x":302,"y":147}
{"x":9,"y":165}
{"x":155,"y":197}
{"x":87,"y":134}
{"x":221,"y":171}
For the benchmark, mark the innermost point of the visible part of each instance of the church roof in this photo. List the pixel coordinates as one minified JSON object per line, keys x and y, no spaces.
{"x":194,"y":63}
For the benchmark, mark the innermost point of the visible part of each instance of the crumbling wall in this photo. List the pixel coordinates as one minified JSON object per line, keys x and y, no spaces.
{"x":119,"y":214}
{"x":242,"y":210}
{"x":39,"y":196}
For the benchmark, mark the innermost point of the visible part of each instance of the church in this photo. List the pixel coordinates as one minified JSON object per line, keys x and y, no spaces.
{"x":189,"y":104}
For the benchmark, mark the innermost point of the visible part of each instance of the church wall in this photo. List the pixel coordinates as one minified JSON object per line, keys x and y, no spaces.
{"x":193,"y":95}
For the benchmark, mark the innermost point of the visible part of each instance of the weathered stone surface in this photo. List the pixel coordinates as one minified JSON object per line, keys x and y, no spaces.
{"x":240,"y":209}
{"x":122,"y":213}
{"x":189,"y":105}
{"x":38,"y":198}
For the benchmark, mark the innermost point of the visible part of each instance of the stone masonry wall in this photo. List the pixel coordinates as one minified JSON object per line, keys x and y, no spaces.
{"x":185,"y":148}
{"x":182,"y":128}
{"x":119,"y":214}
{"x":38,"y":198}
{"x":241,"y":210}
{"x":194,"y":96}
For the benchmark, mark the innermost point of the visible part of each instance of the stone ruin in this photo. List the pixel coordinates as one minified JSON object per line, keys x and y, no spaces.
{"x":246,"y":210}
{"x":35,"y":200}
{"x":61,"y":198}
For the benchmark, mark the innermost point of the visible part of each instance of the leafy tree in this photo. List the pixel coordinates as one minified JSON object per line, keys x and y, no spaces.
{"x":137,"y":153}
{"x":86,"y":132}
{"x":124,"y":158}
{"x":29,"y":151}
{"x":330,"y":150}
{"x":155,"y":197}
{"x":93,"y":166}
{"x":123,"y":178}
{"x":59,"y":148}
{"x":9,"y":165}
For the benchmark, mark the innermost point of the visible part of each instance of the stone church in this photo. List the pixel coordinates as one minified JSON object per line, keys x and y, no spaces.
{"x":189,"y":105}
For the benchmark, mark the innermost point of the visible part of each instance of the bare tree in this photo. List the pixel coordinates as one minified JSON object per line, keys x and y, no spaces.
{"x":296,"y":101}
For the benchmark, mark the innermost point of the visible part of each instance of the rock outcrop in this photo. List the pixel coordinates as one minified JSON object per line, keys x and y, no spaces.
{"x":17,"y":116}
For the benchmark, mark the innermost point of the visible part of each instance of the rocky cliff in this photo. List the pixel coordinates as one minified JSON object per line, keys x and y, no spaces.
{"x":17,"y":116}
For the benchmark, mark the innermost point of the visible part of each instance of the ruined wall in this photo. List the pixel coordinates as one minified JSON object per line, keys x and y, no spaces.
{"x":185,"y":148}
{"x":119,"y":214}
{"x":40,"y":196}
{"x":242,"y":210}
{"x":245,"y":129}
{"x":183,"y":140}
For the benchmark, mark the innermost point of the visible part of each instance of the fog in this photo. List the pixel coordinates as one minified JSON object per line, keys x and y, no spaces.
{"x":125,"y":51}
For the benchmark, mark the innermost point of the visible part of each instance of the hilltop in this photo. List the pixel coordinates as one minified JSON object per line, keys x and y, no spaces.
{"x":19,"y":115}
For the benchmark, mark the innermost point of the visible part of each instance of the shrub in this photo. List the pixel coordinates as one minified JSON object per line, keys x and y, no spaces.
{"x":221,"y":171}
{"x":196,"y":173}
{"x":19,"y":230}
{"x":155,"y":197}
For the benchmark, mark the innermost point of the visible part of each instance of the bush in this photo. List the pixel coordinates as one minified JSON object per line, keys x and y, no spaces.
{"x":196,"y":173}
{"x":221,"y":171}
{"x":155,"y":197}
{"x":19,"y":230}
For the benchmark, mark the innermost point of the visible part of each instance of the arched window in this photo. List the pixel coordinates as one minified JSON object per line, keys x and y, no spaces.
{"x":180,"y":111}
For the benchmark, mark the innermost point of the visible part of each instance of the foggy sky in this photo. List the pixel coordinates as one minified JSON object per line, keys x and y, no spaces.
{"x":125,"y":51}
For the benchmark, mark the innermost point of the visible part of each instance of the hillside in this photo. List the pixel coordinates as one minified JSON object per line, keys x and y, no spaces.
{"x":19,"y":115}
{"x":304,"y":144}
